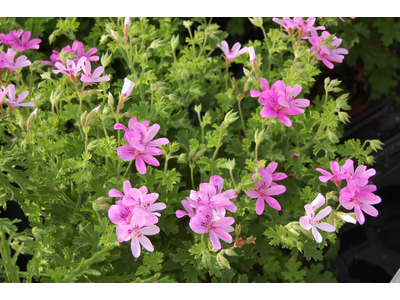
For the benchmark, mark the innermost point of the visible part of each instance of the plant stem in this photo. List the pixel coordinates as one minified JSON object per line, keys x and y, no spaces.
{"x":241,"y":118}
{"x":127,"y":169}
{"x":233,"y":180}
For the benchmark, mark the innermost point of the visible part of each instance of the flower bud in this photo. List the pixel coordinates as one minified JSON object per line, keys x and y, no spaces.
{"x":230,"y":252}
{"x":238,"y":229}
{"x":234,"y":83}
{"x":55,"y":96}
{"x":174,"y":41}
{"x":83,"y":118}
{"x":230,"y":117}
{"x":92,"y":114}
{"x":116,"y":36}
{"x":31,"y":118}
{"x":127,"y":26}
{"x":127,"y":89}
{"x":257,"y":21}
{"x":110,"y":100}
{"x":38,"y":233}
{"x":197,"y":108}
{"x":187,"y":24}
{"x":199,"y":153}
{"x":326,"y":81}
{"x":106,"y":59}
{"x":158,"y":43}
{"x":24,"y":238}
{"x":182,"y":158}
{"x":223,"y":262}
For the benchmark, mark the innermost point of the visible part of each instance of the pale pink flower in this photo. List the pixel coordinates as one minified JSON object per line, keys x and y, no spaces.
{"x":312,"y":221}
{"x":360,"y":198}
{"x":136,"y":231}
{"x":15,"y":100}
{"x":252,"y":54}
{"x":127,"y":89}
{"x":346,"y":217}
{"x":264,"y":191}
{"x":90,"y":76}
{"x":12,"y":63}
{"x":206,"y":220}
{"x":231,"y":54}
{"x":70,"y":69}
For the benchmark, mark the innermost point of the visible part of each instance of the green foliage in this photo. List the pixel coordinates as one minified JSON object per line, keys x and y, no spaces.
{"x":60,"y":171}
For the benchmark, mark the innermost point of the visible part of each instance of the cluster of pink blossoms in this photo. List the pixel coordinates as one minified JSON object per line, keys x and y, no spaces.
{"x":279,"y":101}
{"x":77,"y":50}
{"x":15,"y":40}
{"x":267,"y":188}
{"x":141,"y":147}
{"x":325,"y":53}
{"x":358,"y":194}
{"x":18,"y":39}
{"x":206,"y":209}
{"x":135,"y":216}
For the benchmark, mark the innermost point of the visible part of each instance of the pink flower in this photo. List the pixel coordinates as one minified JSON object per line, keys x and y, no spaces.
{"x":275,"y":176}
{"x":141,"y":147}
{"x":15,"y":100}
{"x":279,"y":101}
{"x":206,"y":220}
{"x":361,"y":199}
{"x":252,"y":54}
{"x":360,"y":176}
{"x":325,"y":54}
{"x":11,"y":38}
{"x":26,"y":44}
{"x":127,"y":89}
{"x":77,"y":49}
{"x":136,"y":231}
{"x":231,"y":54}
{"x":90,"y":76}
{"x":126,"y":197}
{"x":210,"y":194}
{"x":71,"y":69}
{"x":189,"y":210}
{"x":264,"y":191}
{"x":312,"y":221}
{"x":339,"y":173}
{"x":13,"y":64}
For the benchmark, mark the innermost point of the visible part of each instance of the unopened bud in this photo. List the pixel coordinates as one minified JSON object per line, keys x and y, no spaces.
{"x":230,"y":117}
{"x":238,"y":229}
{"x":31,"y":118}
{"x":234,"y":83}
{"x":158,"y":43}
{"x":182,"y":158}
{"x":256,"y":21}
{"x":174,"y":41}
{"x":106,"y":59}
{"x":127,"y":26}
{"x":110,"y":100}
{"x":326,"y":81}
{"x":197,"y":108}
{"x":223,"y":262}
{"x":116,"y":36}
{"x":24,"y":238}
{"x":230,"y":252}
{"x":55,"y":96}
{"x":83,"y":118}
{"x":92,"y":114}
{"x":199,"y":153}
{"x":187,"y":24}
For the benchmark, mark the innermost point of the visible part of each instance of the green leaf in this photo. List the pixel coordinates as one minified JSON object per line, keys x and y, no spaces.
{"x":294,"y":274}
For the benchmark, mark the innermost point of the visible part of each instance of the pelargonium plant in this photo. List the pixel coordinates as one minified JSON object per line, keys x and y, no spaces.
{"x":139,"y":154}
